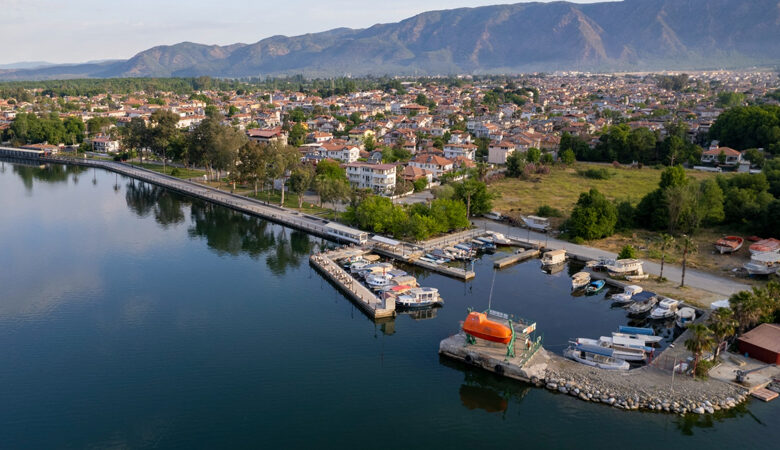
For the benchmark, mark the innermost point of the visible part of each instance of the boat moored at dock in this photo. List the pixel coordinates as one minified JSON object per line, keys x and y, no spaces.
{"x":627,"y":296}
{"x":554,"y":257}
{"x":596,"y":356}
{"x":579,"y":280}
{"x":595,"y":286}
{"x":684,"y":317}
{"x":665,"y":309}
{"x":422,"y":297}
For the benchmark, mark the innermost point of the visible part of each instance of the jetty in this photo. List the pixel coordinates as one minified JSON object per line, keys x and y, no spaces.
{"x":375,"y":307}
{"x":515,"y":258}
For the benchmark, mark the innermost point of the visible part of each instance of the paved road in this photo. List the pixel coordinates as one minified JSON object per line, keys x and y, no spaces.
{"x":693,"y":278}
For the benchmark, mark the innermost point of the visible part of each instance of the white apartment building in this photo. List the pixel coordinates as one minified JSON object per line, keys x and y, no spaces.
{"x":380,"y":178}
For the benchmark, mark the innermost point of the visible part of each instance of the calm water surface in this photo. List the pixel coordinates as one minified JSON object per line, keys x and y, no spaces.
{"x":134,"y":317}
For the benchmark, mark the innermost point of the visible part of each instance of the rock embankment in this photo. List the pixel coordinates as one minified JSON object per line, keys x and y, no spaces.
{"x":645,"y":388}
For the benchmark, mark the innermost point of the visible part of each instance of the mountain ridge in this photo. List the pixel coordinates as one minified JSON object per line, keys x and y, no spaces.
{"x":522,"y":37}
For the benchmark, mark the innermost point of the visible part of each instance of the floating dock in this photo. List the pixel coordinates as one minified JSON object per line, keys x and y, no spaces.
{"x":413,"y":258}
{"x":765,"y":394}
{"x":517,"y":257}
{"x":373,"y":306}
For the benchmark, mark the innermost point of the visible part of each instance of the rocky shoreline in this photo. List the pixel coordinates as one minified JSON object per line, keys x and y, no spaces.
{"x":645,"y":388}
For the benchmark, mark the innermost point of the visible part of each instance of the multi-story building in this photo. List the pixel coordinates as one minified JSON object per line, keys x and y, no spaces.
{"x":380,"y":178}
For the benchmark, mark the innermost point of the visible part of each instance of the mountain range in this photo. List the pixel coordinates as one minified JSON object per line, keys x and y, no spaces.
{"x":630,"y":35}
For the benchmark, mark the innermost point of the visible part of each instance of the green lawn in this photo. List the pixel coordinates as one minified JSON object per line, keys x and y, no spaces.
{"x":290,"y":201}
{"x":180,"y":172}
{"x":562,"y":187}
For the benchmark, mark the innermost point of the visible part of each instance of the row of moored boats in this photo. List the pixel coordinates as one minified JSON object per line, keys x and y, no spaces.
{"x":388,"y":281}
{"x":615,"y":352}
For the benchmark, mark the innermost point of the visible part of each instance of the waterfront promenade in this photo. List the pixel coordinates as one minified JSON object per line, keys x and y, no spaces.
{"x":694,"y":278}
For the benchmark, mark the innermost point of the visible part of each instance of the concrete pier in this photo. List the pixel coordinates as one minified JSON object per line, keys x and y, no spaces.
{"x":373,"y":306}
{"x":517,"y":257}
{"x":528,"y":364}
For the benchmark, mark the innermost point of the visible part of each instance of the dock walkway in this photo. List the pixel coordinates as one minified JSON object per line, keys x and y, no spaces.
{"x":236,"y":202}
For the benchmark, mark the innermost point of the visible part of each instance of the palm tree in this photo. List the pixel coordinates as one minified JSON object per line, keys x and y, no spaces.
{"x":688,"y":247}
{"x":747,"y":309}
{"x":666,"y":241}
{"x":723,"y":326}
{"x":700,"y":340}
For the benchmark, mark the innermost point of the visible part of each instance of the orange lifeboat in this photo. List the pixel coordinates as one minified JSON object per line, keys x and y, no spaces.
{"x":478,"y":325}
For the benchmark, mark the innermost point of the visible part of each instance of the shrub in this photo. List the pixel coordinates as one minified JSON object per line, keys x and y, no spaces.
{"x":175,"y":172}
{"x":627,"y":252}
{"x":578,"y":240}
{"x":596,"y":174}
{"x":420,"y":184}
{"x":548,"y":211}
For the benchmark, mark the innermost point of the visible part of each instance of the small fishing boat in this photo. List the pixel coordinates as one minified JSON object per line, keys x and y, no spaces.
{"x":357,"y":266}
{"x":419,"y":298}
{"x":640,"y":308}
{"x":665,"y":309}
{"x":770,"y":245}
{"x":627,"y":296}
{"x":639,"y":334}
{"x":684,"y":316}
{"x":478,"y":325}
{"x":729,"y":244}
{"x":426,"y":259}
{"x":579,"y":280}
{"x":596,"y":356}
{"x":594,"y":286}
{"x":624,"y":353}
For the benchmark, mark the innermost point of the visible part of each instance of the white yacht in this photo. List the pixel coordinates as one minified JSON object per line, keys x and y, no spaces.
{"x":554,"y":257}
{"x":665,"y":309}
{"x":684,"y":316}
{"x":378,"y":281}
{"x":625,"y":353}
{"x":419,"y":298}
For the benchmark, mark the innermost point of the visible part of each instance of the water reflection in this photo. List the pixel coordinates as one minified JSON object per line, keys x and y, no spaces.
{"x":487,"y":391}
{"x":687,"y":423}
{"x":49,"y":173}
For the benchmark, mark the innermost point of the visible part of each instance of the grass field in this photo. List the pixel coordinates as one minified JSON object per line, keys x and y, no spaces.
{"x":562,"y":187}
{"x":180,"y":172}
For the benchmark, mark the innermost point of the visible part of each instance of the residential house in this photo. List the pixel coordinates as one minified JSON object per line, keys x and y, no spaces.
{"x":104,"y":144}
{"x":452,"y":151}
{"x":437,"y":165}
{"x":499,"y":151}
{"x":712,"y":156}
{"x":264,"y":136}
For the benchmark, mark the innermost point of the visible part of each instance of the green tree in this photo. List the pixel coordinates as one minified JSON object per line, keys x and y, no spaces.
{"x":135,"y":136}
{"x":475,"y":195}
{"x":723,"y":326}
{"x":301,"y":180}
{"x":688,"y":247}
{"x":420,"y":184}
{"x":163,"y":130}
{"x":568,"y":157}
{"x":253,"y":163}
{"x":281,"y":160}
{"x":701,"y":339}
{"x":515,"y":163}
{"x":593,"y":216}
{"x":667,"y":240}
{"x":533,"y":155}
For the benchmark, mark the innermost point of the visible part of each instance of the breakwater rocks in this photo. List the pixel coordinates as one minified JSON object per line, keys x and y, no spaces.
{"x":644,"y":388}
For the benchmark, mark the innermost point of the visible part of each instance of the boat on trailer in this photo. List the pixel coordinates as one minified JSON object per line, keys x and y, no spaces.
{"x":596,"y":356}
{"x":729,"y":244}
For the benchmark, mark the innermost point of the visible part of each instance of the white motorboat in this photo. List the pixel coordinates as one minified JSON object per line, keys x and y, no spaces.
{"x":684,"y":316}
{"x":554,"y":257}
{"x":378,"y":281}
{"x":419,"y":298}
{"x":579,"y":280}
{"x":596,"y":356}
{"x":499,"y":239}
{"x":646,"y":335}
{"x":763,"y":263}
{"x":357,"y":266}
{"x":627,"y":296}
{"x":621,"y":352}
{"x":624,"y":267}
{"x":537,"y":223}
{"x":665,"y":309}
{"x":639,"y":308}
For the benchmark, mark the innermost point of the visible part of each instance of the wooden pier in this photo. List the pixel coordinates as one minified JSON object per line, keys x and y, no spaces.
{"x":373,"y":306}
{"x":514,"y":258}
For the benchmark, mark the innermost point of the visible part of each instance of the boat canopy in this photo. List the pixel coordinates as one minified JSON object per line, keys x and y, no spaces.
{"x":385,"y":240}
{"x":636,"y":330}
{"x":595,"y":349}
{"x":643,"y":296}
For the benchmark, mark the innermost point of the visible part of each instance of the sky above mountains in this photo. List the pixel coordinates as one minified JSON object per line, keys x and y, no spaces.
{"x":81,"y":30}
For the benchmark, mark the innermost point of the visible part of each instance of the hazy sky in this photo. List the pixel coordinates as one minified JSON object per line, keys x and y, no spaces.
{"x":81,"y":30}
